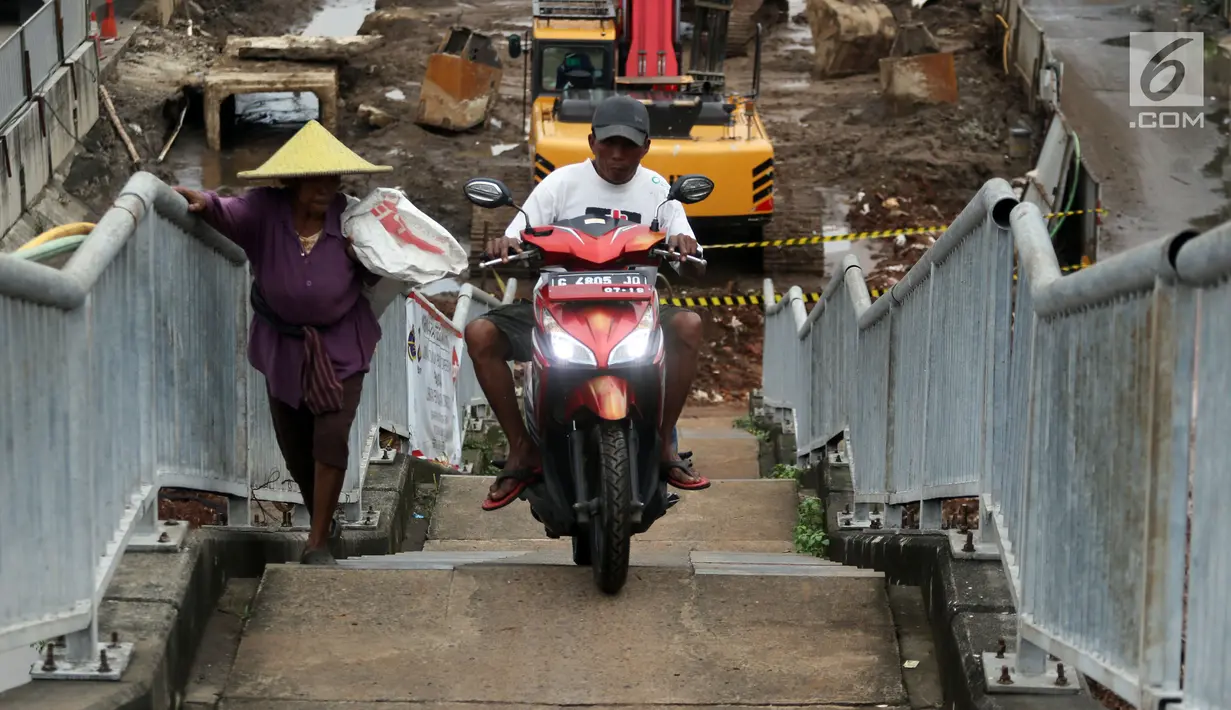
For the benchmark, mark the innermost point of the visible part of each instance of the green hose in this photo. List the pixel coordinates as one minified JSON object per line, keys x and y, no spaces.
{"x":52,"y":248}
{"x":1073,"y":186}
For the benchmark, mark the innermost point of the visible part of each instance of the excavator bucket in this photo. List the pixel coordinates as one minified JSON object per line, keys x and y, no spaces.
{"x":462,"y":82}
{"x":916,"y":71}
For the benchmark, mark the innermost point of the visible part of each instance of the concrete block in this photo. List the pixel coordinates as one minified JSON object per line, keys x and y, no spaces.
{"x":257,"y":77}
{"x":55,"y":102}
{"x":10,"y":179}
{"x":35,"y":150}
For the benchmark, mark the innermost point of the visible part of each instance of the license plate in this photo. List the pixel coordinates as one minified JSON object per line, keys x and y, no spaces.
{"x":619,"y":278}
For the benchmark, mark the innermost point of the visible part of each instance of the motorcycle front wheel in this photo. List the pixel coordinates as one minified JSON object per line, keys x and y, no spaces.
{"x":610,"y":536}
{"x":581,"y":550}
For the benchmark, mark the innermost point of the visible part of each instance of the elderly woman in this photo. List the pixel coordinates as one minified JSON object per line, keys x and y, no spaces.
{"x":313,"y":333}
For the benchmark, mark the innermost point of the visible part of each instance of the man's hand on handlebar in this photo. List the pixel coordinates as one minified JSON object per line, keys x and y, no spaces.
{"x":686,"y":249}
{"x":682,"y":244}
{"x":502,"y":247}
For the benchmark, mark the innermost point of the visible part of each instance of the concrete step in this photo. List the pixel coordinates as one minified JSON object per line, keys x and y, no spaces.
{"x":757,"y":510}
{"x":746,"y":563}
{"x":535,"y":544}
{"x":719,"y":450}
{"x":517,"y":635}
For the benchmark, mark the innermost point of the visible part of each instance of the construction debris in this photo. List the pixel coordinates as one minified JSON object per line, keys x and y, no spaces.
{"x":461,"y":83}
{"x":397,"y":23}
{"x":299,"y":48}
{"x":375,"y":117}
{"x":850,"y":36}
{"x":117,"y":124}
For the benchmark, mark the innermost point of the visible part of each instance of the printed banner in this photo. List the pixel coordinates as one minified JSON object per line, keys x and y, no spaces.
{"x":433,"y":352}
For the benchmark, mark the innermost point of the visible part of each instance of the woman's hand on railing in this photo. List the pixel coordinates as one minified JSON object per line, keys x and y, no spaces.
{"x":196,"y":201}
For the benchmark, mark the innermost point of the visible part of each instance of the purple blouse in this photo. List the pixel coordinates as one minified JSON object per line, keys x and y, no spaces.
{"x":322,"y":288}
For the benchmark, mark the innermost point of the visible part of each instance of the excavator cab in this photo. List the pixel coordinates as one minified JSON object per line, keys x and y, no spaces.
{"x":563,"y":66}
{"x":582,"y":51}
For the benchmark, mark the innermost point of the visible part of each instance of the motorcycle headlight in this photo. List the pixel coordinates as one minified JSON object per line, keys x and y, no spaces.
{"x":637,"y":345}
{"x":564,"y":347}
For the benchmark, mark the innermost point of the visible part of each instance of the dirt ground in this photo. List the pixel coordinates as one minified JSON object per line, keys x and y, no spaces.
{"x":843,"y":162}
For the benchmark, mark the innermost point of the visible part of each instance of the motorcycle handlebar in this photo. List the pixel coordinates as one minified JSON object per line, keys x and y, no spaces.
{"x":677,"y":257}
{"x":496,"y":262}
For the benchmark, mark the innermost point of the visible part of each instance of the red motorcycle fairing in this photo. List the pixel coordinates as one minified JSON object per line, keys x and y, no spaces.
{"x":597,"y":325}
{"x":607,"y":396}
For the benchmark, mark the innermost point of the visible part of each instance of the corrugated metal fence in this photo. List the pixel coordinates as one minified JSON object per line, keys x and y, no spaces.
{"x":1075,"y":406}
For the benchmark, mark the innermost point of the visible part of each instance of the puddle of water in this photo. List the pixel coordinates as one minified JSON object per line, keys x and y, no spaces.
{"x":833,"y":222}
{"x":797,"y":36}
{"x":338,"y":18}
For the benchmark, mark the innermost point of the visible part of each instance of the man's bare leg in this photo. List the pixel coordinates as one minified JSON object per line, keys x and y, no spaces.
{"x":683,"y":344}
{"x":489,"y":351}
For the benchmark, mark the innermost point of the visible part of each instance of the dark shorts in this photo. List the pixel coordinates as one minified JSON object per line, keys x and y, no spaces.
{"x":516,"y":322}
{"x":306,"y":438}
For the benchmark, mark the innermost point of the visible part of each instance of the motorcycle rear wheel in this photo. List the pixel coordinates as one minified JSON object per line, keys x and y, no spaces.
{"x":610,"y":536}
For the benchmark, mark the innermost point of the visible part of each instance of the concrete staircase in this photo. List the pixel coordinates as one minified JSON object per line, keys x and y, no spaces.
{"x":717,"y":612}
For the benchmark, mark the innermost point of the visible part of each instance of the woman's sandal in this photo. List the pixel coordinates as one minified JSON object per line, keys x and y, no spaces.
{"x":524,"y":477}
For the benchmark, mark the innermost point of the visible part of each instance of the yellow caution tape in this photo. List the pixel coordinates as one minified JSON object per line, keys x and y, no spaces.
{"x":856,"y":236}
{"x":751,"y":300}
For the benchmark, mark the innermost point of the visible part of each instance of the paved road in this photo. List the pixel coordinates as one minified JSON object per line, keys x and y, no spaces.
{"x":1155,"y":182}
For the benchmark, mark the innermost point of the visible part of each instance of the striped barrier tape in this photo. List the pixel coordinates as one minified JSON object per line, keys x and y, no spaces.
{"x":757,"y":300}
{"x":856,"y":236}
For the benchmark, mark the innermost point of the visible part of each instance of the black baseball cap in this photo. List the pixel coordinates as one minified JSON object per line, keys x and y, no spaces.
{"x":623,"y":117}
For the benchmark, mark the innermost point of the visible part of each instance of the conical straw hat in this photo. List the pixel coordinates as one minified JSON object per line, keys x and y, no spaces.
{"x":310,"y":152}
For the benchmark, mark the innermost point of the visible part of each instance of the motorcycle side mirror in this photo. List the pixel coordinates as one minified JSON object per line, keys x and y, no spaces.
{"x":488,"y":192}
{"x":514,"y":46}
{"x":691,"y":189}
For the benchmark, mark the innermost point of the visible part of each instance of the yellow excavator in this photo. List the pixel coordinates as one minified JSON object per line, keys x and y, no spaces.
{"x":582,"y":51}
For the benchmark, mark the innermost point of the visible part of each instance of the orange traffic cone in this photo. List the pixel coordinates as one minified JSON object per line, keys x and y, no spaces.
{"x":98,"y":47}
{"x":109,"y":30}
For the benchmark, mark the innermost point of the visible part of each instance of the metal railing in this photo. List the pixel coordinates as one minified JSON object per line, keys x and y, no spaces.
{"x":12,"y":77}
{"x":1067,"y":404}
{"x":40,"y":36}
{"x":1204,"y":302}
{"x":126,"y":371}
{"x":74,"y":24}
{"x":36,"y":49}
{"x":90,"y":353}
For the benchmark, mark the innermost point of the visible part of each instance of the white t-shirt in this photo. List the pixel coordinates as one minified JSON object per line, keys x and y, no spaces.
{"x":577,"y":190}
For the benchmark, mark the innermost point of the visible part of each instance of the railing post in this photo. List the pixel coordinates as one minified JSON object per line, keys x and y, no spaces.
{"x":929,"y":509}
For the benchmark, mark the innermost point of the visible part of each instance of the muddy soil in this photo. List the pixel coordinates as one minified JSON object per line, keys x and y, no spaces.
{"x":843,"y":162}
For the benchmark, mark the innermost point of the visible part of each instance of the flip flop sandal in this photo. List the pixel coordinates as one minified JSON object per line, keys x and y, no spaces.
{"x":698,"y":485}
{"x":672,"y":499}
{"x":523,"y":476}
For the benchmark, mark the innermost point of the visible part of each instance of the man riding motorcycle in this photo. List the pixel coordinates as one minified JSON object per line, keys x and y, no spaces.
{"x":613,"y":184}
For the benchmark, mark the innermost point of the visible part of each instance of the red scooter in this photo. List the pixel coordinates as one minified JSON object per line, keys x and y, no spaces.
{"x":594,"y":388}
